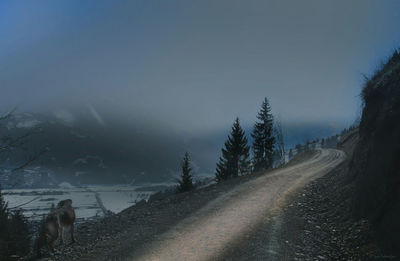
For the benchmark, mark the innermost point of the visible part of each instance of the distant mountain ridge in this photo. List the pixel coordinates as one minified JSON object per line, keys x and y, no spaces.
{"x":90,"y":145}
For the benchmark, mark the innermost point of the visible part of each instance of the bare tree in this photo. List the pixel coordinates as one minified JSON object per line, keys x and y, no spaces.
{"x":280,"y":145}
{"x":10,"y":143}
{"x":14,"y":228}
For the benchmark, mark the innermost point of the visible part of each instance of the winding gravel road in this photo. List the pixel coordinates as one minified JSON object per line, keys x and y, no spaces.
{"x":213,"y":229}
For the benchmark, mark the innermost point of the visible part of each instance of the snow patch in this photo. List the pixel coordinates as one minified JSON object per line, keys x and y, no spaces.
{"x":78,"y":135}
{"x":27,"y":124}
{"x":65,"y":185}
{"x":65,"y":116}
{"x":80,"y":173}
{"x":96,"y":115}
{"x":89,"y":157}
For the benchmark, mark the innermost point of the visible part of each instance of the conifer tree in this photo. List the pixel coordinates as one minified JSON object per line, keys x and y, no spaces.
{"x":4,"y":233}
{"x":263,"y":138}
{"x":14,"y":232}
{"x":235,"y":155}
{"x":186,"y":182}
{"x":19,"y":237}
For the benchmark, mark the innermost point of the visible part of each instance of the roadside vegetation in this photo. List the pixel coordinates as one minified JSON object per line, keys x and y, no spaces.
{"x":266,"y":151}
{"x":15,"y":234}
{"x":235,"y":160}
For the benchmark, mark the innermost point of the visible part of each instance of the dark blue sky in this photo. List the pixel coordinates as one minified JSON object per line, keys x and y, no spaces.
{"x":195,"y":65}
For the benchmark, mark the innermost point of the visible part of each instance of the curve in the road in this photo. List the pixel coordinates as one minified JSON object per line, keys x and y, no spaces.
{"x":211,"y":230}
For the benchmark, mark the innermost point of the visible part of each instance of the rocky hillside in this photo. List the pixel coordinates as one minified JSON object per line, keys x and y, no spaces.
{"x":375,"y":166}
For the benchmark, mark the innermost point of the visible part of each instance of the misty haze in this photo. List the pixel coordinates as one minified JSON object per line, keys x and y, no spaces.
{"x":199,"y":130}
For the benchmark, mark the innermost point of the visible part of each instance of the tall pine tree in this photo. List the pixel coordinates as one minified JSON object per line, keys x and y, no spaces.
{"x":186,"y":182}
{"x":235,"y":155}
{"x":263,"y":138}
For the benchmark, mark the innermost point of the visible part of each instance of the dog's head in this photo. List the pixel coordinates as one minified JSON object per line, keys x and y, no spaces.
{"x":66,"y":202}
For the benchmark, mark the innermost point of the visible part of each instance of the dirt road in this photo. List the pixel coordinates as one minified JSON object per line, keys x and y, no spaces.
{"x":211,"y":230}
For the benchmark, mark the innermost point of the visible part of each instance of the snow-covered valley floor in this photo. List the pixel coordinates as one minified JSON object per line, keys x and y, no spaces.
{"x":115,"y":198}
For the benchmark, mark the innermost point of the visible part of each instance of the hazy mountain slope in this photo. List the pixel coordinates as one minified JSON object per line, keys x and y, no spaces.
{"x":102,"y":145}
{"x":79,"y":146}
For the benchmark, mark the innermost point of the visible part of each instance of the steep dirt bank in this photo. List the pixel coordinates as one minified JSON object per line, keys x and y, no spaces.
{"x":375,"y":167}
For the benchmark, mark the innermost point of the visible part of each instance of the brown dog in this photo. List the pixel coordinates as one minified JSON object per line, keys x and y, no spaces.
{"x":53,"y":226}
